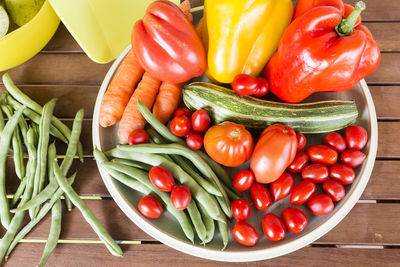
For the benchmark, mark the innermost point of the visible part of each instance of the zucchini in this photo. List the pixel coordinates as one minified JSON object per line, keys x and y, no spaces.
{"x":223,"y":104}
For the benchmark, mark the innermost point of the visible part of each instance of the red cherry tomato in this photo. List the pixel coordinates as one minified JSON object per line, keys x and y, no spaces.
{"x":139,"y":136}
{"x":353,"y":158}
{"x":240,"y":209}
{"x":282,"y":187}
{"x":299,"y":163}
{"x":342,"y":173}
{"x":301,"y":141}
{"x":320,"y":204}
{"x":260,"y":196}
{"x":200,"y":120}
{"x":322,"y":154}
{"x":295,"y":220}
{"x":356,"y":137}
{"x":180,"y":197}
{"x":180,"y":126}
{"x":262,"y":88}
{"x":194,"y":141}
{"x":302,"y":192}
{"x":243,"y":180}
{"x":336,"y":141}
{"x":244,"y":84}
{"x":273,"y":227}
{"x":150,"y":207}
{"x":317,"y":173}
{"x":334,"y":189}
{"x":183,"y":111}
{"x":161,"y":178}
{"x":245,"y":234}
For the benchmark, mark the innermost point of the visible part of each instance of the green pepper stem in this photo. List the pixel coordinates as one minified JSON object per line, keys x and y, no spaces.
{"x":346,"y":26}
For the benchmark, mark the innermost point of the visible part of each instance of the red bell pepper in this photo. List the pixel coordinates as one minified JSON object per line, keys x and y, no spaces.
{"x":322,"y":51}
{"x":167,"y":45}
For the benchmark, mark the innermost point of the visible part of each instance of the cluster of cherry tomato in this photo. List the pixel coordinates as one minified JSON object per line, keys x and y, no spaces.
{"x":323,"y":165}
{"x":190,"y":125}
{"x":161,"y":178}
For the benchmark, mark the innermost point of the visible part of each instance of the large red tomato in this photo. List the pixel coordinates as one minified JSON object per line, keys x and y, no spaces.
{"x":229,"y":144}
{"x":274,"y":152}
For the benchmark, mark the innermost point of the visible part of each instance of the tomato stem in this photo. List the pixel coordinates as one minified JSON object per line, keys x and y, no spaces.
{"x":346,"y":26}
{"x":234,"y":134}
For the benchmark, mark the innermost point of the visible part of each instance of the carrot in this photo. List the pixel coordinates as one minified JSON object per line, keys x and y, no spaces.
{"x":185,"y":7}
{"x":120,"y":90}
{"x":167,"y":101}
{"x":132,"y":119}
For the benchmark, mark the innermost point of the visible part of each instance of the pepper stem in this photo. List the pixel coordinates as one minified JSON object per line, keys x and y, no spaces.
{"x":346,"y":26}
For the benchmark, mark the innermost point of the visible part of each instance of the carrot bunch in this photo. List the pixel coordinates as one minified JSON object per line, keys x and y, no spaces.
{"x":130,"y":84}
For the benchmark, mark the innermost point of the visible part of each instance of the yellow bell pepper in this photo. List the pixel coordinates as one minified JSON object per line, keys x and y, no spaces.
{"x":242,"y":35}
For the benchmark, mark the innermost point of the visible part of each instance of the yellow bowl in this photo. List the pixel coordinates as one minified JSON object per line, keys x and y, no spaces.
{"x":26,"y":41}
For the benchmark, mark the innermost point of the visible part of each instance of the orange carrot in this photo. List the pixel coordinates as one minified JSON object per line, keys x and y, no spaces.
{"x":167,"y":101}
{"x":146,"y":92}
{"x":120,"y":90}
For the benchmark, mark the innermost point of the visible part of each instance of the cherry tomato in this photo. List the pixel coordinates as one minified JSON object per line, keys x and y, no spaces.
{"x":302,"y":192}
{"x":299,"y":163}
{"x":262,"y":88}
{"x":342,"y":173}
{"x":320,"y":204}
{"x":282,"y":187}
{"x":322,"y":154}
{"x":334,"y":189}
{"x":180,"y":126}
{"x":244,"y":84}
{"x":139,"y":136}
{"x":301,"y":141}
{"x":295,"y":220}
{"x":260,"y":196}
{"x":353,"y":158}
{"x":317,"y":173}
{"x":240,"y":209}
{"x":150,"y":207}
{"x":194,"y":141}
{"x":229,"y":144}
{"x":161,"y":178}
{"x":336,"y":141}
{"x":245,"y":234}
{"x":356,"y":137}
{"x":183,"y":111}
{"x":243,"y":180}
{"x":200,"y":120}
{"x":273,"y":227}
{"x":180,"y":197}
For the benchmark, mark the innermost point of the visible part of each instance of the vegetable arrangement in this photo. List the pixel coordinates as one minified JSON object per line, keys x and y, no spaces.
{"x":42,"y":180}
{"x":166,"y":162}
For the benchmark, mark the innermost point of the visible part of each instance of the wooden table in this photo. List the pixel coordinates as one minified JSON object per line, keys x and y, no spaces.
{"x":368,"y":236}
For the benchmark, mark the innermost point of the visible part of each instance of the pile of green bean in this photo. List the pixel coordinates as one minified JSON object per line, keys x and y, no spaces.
{"x":209,"y":184}
{"x":42,"y":180}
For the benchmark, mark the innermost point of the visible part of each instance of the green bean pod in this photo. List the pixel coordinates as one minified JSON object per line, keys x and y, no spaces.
{"x":5,"y":140}
{"x":2,"y":123}
{"x":134,"y":164}
{"x":231,"y":194}
{"x":208,"y":223}
{"x":197,"y":221}
{"x":20,"y":191}
{"x":224,"y":231}
{"x":86,"y":212}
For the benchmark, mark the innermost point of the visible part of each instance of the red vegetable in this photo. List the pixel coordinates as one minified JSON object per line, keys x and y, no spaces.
{"x":183,"y":111}
{"x":299,"y":163}
{"x":260,"y":196}
{"x":322,"y":154}
{"x":273,"y":227}
{"x":180,"y":197}
{"x":320,"y":204}
{"x":245,"y":234}
{"x":302,"y":192}
{"x":356,"y":137}
{"x":194,"y":141}
{"x":240,"y":209}
{"x":282,"y":187}
{"x":263,"y":88}
{"x":334,"y":189}
{"x":200,"y":120}
{"x":342,"y":173}
{"x":244,"y":84}
{"x":295,"y":220}
{"x":353,"y":158}
{"x":336,"y":141}
{"x":180,"y":126}
{"x":161,"y":178}
{"x":317,"y":173}
{"x":301,"y":141}
{"x":243,"y":180}
{"x":138,"y":136}
{"x":150,"y":207}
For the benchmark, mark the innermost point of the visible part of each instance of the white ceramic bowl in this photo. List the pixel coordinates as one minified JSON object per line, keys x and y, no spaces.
{"x":166,"y":230}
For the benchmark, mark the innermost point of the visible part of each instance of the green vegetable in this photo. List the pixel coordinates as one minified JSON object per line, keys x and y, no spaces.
{"x":223,"y":104}
{"x":22,"y":11}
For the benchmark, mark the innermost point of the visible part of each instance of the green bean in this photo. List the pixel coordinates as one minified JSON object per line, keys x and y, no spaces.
{"x":178,"y":149}
{"x":197,"y":221}
{"x":20,"y":190}
{"x":232,"y":195}
{"x":87,"y":214}
{"x":130,"y":182}
{"x":54,"y":234}
{"x":156,"y":160}
{"x":35,"y":220}
{"x":31,"y":166}
{"x":4,"y":145}
{"x":224,"y":231}
{"x":26,"y":100}
{"x":132,"y":163}
{"x":208,"y":223}
{"x":32,"y":115}
{"x":2,"y":123}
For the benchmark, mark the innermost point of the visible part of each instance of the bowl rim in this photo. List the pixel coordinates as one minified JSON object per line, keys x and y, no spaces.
{"x":246,"y":256}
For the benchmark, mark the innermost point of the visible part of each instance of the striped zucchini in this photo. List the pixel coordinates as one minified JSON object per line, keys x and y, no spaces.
{"x":224,"y":104}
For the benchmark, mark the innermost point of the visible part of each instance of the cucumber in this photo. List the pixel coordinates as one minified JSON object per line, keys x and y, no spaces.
{"x":223,"y":104}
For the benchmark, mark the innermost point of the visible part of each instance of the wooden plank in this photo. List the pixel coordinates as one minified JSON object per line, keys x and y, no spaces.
{"x":161,"y":255}
{"x":386,"y":34}
{"x":388,"y":71}
{"x":386,"y":99}
{"x":62,"y":41}
{"x":387,"y":141}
